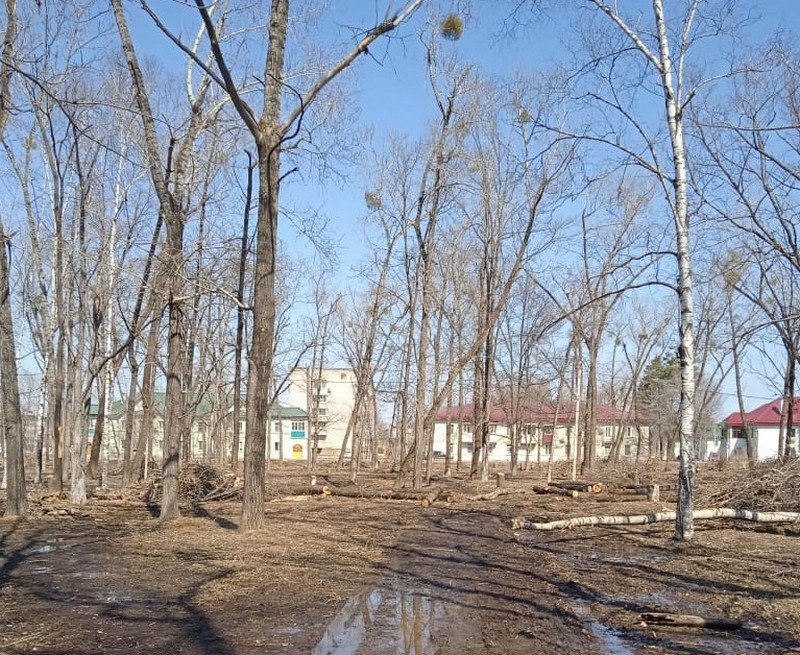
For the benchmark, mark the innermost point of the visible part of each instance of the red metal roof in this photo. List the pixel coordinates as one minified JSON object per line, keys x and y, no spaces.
{"x":768,"y":414}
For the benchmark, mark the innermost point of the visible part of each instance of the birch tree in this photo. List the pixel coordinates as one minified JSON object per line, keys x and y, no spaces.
{"x":641,"y":55}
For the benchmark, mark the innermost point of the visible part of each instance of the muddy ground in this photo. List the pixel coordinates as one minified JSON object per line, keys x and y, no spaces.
{"x":333,"y":575}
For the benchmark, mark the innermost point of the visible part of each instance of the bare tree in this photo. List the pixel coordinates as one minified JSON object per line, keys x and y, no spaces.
{"x":17,"y":502}
{"x":173,"y":207}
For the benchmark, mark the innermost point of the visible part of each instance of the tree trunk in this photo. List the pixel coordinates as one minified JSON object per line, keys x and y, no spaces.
{"x":16,"y":499}
{"x":787,"y":417}
{"x":590,"y":416}
{"x":684,"y":526}
{"x":174,"y":400}
{"x":737,"y":376}
{"x":144,"y":439}
{"x":240,"y":318}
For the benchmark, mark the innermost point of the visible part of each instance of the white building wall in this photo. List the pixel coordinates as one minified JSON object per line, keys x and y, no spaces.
{"x":766,"y":443}
{"x":288,"y":439}
{"x":766,"y":440}
{"x":331,"y":392}
{"x":539,"y":451}
{"x":500,"y":444}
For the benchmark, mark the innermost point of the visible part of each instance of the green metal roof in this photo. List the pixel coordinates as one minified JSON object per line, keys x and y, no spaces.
{"x":118,"y":408}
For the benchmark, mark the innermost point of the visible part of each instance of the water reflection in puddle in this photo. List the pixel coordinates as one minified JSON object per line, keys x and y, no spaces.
{"x":385,"y":621}
{"x":610,"y":641}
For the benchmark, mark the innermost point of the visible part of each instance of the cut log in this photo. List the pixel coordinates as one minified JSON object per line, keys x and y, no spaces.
{"x":304,"y":490}
{"x":579,"y":485}
{"x":430,"y":499}
{"x":557,"y":491}
{"x":642,"y":488}
{"x":655,"y":517}
{"x":689,"y":621}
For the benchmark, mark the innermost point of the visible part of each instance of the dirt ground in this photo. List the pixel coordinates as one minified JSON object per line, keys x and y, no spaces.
{"x":334,"y":575}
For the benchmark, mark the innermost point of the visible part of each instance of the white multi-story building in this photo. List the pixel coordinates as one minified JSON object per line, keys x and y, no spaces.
{"x":328,"y":395}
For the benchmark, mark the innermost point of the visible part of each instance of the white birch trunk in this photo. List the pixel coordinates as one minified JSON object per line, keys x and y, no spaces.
{"x":684,"y":528}
{"x":657,"y":517}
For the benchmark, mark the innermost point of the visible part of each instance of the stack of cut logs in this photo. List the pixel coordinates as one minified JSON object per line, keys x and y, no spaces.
{"x":569,"y":488}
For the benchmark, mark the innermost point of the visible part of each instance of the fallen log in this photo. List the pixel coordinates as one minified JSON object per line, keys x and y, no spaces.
{"x":689,"y":621}
{"x":222,"y":494}
{"x":522,"y":523}
{"x":579,"y":485}
{"x":389,"y":494}
{"x":305,"y":490}
{"x":123,"y":502}
{"x":491,"y":495}
{"x":606,"y":497}
{"x":557,"y":491}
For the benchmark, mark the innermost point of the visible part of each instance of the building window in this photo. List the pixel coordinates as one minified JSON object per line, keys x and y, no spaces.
{"x":298,"y":426}
{"x":277,"y":426}
{"x":343,"y":376}
{"x":322,"y":411}
{"x":276,"y":446}
{"x":628,"y":450}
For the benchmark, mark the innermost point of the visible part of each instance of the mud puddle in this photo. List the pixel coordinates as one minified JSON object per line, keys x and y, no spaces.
{"x":386,"y":621}
{"x":610,"y":640}
{"x":613,"y":641}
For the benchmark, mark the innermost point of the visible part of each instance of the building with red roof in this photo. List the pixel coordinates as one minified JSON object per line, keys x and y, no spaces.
{"x":763,"y":423}
{"x":540,"y":428}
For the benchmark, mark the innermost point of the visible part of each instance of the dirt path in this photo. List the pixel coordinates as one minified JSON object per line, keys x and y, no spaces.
{"x":342,"y":576}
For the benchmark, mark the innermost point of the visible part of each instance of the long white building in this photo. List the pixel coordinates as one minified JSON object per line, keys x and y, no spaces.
{"x":541,"y":429}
